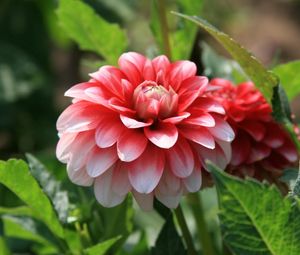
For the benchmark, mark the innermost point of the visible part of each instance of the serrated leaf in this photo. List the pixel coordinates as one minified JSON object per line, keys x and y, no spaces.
{"x":102,"y":248}
{"x":290,"y":77}
{"x":168,"y":242}
{"x":296,"y":188}
{"x":264,"y":80}
{"x":15,"y":175}
{"x":91,"y":31}
{"x":255,"y":218}
{"x":50,"y":186}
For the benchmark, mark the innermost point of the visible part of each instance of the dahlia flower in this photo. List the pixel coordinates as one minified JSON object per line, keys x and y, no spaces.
{"x":261,"y":145}
{"x":144,"y":127}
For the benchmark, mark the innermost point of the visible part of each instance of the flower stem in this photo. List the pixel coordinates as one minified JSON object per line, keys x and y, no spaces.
{"x":195,"y":203}
{"x":164,"y":27}
{"x":185,"y":231}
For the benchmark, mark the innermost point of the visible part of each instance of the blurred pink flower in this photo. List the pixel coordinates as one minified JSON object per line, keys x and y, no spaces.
{"x":260,"y":144}
{"x":146,"y":128}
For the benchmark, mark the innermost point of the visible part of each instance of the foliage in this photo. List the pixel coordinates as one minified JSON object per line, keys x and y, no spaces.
{"x":255,"y":218}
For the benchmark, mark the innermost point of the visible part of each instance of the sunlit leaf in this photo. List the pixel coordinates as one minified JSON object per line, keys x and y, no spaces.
{"x":102,"y":248}
{"x":263,"y":79}
{"x":51,"y":187}
{"x":255,"y":218}
{"x":90,"y":31}
{"x":15,"y":175}
{"x":289,"y":74}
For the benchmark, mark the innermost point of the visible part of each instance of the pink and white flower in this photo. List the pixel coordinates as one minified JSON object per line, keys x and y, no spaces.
{"x":145,"y":127}
{"x":261,"y":146}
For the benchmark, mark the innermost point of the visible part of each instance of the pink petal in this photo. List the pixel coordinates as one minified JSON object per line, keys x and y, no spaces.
{"x":226,"y":148}
{"x":191,"y":89}
{"x":103,"y":190}
{"x":78,"y":91}
{"x":198,"y":135}
{"x":132,"y":65}
{"x":146,"y":171}
{"x":180,"y":158}
{"x":63,"y":146}
{"x":164,"y":135}
{"x":240,"y":150}
{"x":288,"y":150}
{"x":274,"y":137}
{"x":177,"y":119}
{"x":131,"y":144}
{"x":222,"y":130}
{"x":100,"y":160}
{"x":201,"y":119}
{"x":120,"y":181}
{"x":180,"y":71}
{"x":194,"y":181}
{"x":258,"y":152}
{"x":80,"y":177}
{"x":119,"y":106}
{"x":209,"y":105}
{"x":149,"y":72}
{"x":108,"y":132}
{"x":80,"y":149}
{"x":145,"y":201}
{"x":132,"y":123}
{"x":81,"y":116}
{"x":169,"y":190}
{"x":255,"y":129}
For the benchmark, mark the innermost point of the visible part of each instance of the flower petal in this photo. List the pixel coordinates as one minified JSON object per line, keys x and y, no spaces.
{"x":80,"y":177}
{"x":108,"y":132}
{"x":221,"y":130}
{"x":145,"y":201}
{"x":201,"y":118}
{"x":120,"y":181}
{"x":194,"y":181}
{"x":146,"y":171}
{"x":177,"y":119}
{"x":131,"y":144}
{"x":180,"y":158}
{"x":198,"y":135}
{"x":209,"y":105}
{"x":103,"y":190}
{"x":132,"y":123}
{"x":164,"y":135}
{"x":63,"y":146}
{"x":100,"y":160}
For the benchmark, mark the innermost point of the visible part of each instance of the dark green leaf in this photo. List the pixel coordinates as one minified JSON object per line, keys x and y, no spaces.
{"x":289,"y":77}
{"x":51,"y":187}
{"x":91,"y":31}
{"x":168,"y":241}
{"x":102,"y":248}
{"x":255,"y":218}
{"x":296,"y":188}
{"x":15,"y":175}
{"x":263,"y":79}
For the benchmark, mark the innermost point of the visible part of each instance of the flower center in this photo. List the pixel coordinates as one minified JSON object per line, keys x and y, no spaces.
{"x":152,"y":101}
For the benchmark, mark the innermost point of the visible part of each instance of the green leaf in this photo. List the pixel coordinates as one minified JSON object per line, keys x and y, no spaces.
{"x":182,"y":32}
{"x":50,"y":186}
{"x":18,"y":211}
{"x":168,"y":241}
{"x":255,"y":218}
{"x":22,"y":228}
{"x":90,"y":31}
{"x":282,"y":113}
{"x":296,"y":189}
{"x":102,"y":248}
{"x":290,"y":77}
{"x":263,"y":79}
{"x":15,"y":175}
{"x":221,"y":67}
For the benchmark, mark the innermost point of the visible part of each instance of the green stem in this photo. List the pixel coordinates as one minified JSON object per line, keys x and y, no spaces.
{"x":164,"y":27}
{"x":195,"y":203}
{"x":185,"y":231}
